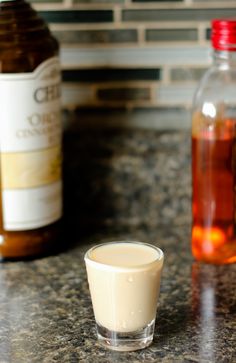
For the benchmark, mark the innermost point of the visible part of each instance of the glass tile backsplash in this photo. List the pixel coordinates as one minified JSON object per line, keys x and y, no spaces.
{"x":133,"y":54}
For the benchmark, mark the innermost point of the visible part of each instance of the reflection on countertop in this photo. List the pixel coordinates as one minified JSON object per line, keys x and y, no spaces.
{"x":120,"y":184}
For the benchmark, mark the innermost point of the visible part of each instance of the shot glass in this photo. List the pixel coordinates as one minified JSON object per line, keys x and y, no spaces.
{"x":124,"y":283}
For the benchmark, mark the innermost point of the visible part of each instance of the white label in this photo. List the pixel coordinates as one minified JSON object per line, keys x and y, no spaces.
{"x":30,"y":144}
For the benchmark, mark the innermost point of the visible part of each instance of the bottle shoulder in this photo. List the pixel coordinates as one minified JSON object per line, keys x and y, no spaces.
{"x":218,"y":75}
{"x":25,"y":40}
{"x":217,"y":85}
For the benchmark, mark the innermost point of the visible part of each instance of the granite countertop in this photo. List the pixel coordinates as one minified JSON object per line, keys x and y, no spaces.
{"x":131,"y":184}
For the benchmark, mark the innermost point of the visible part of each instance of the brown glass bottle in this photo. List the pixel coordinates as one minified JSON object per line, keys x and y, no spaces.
{"x":26,"y":44}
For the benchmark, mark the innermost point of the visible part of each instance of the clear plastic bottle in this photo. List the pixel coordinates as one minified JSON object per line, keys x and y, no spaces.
{"x":30,"y":133}
{"x":214,"y":152}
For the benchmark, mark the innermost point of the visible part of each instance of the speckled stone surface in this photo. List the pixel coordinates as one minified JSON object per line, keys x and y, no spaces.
{"x":120,"y":184}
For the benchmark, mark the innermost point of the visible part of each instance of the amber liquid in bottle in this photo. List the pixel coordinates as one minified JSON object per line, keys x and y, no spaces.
{"x":25,"y":43}
{"x":214,"y":188}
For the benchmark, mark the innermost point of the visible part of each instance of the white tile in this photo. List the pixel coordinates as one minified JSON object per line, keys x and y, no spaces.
{"x":75,"y":57}
{"x":175,"y":95}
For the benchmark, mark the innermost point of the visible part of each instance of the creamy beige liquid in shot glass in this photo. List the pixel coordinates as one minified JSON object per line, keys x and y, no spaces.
{"x":124,"y":282}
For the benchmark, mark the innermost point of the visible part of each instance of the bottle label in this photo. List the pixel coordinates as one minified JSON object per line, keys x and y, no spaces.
{"x":30,"y":145}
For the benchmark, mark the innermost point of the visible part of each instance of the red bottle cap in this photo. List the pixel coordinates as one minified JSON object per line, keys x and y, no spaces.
{"x":223,"y":34}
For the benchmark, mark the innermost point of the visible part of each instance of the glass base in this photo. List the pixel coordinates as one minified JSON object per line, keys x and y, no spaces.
{"x":126,"y":342}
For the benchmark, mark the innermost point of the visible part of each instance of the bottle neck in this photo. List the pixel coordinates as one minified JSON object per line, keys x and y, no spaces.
{"x":224,"y":58}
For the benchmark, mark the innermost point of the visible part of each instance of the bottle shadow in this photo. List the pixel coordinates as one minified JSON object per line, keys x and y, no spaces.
{"x":92,"y":197}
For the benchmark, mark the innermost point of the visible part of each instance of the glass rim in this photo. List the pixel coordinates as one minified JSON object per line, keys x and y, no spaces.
{"x":159,"y":259}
